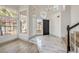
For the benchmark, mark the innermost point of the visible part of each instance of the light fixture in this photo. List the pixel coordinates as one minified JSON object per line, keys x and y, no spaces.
{"x":59,"y":7}
{"x":43,"y":14}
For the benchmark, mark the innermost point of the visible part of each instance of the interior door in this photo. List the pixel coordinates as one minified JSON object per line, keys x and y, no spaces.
{"x":45,"y":27}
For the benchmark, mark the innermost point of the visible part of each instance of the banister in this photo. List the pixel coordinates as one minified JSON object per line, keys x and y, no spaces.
{"x":68,"y":35}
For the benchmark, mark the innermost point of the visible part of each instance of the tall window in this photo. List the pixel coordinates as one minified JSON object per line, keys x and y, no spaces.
{"x":23,"y":24}
{"x":39,"y":26}
{"x":7,"y":22}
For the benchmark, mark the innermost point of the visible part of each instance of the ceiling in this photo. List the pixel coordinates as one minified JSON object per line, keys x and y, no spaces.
{"x":23,"y":8}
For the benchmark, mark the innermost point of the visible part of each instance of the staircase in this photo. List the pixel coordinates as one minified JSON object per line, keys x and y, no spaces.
{"x":68,"y":37}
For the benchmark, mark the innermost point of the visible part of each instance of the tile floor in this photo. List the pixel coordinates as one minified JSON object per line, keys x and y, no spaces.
{"x":18,"y":46}
{"x":50,"y":44}
{"x":41,"y":44}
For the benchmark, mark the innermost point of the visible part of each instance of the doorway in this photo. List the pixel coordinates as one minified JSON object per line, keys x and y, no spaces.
{"x":45,"y":27}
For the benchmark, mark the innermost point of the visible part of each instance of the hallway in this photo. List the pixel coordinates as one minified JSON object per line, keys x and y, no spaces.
{"x":39,"y":28}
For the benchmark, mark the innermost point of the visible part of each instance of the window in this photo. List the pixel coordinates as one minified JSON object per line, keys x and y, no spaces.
{"x":39,"y":26}
{"x":7,"y":22}
{"x":23,"y":24}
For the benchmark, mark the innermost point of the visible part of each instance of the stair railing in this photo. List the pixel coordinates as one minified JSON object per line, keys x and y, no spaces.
{"x":68,"y":35}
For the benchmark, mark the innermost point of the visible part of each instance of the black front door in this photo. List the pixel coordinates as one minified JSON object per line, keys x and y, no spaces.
{"x":45,"y":27}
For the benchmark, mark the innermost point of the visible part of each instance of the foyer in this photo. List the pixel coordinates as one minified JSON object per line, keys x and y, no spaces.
{"x":38,"y":28}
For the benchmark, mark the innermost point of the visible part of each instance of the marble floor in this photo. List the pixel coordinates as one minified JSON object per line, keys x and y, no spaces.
{"x":39,"y":44}
{"x":50,"y":44}
{"x":18,"y":46}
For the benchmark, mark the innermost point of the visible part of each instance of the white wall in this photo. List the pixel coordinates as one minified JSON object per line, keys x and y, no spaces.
{"x":65,"y":20}
{"x":56,"y":25}
{"x":59,"y":24}
{"x":74,"y":16}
